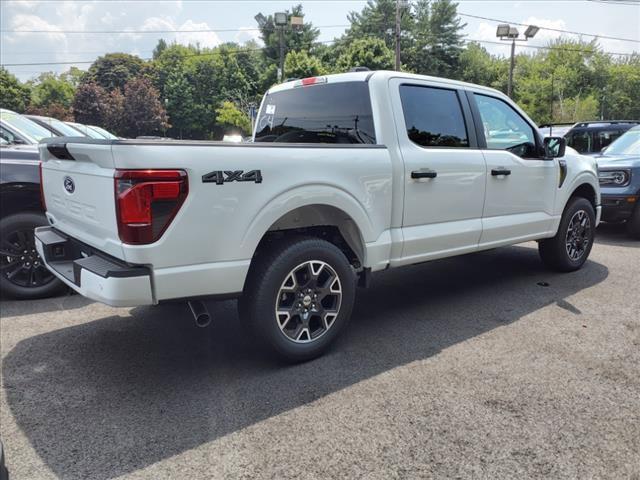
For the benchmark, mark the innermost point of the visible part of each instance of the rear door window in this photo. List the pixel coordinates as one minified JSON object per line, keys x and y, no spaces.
{"x":433,"y":116}
{"x":326,"y":113}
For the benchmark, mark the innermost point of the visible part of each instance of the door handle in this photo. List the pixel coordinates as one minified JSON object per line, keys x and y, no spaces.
{"x":424,"y":173}
{"x":500,"y":171}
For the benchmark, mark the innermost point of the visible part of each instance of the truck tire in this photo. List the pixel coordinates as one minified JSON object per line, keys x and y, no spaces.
{"x":570,"y":248}
{"x":22,"y":273}
{"x":299,"y":296}
{"x":633,"y":224}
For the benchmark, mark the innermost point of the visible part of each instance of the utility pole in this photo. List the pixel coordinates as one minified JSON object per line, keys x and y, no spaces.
{"x":511,"y":67}
{"x":398,"y":3}
{"x":281,"y":69}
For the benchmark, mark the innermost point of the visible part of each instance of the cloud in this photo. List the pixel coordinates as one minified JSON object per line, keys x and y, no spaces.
{"x":246,"y":34}
{"x":204,"y":39}
{"x":22,"y":24}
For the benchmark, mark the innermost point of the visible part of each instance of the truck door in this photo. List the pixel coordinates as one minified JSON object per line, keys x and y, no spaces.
{"x":444,"y":171}
{"x":521,"y":185}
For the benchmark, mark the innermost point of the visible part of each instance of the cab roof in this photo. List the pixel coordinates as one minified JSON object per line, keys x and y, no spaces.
{"x":364,"y":76}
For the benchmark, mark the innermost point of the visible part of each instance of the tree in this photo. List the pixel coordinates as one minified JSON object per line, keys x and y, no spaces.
{"x":114,"y":70}
{"x":301,"y":65}
{"x":13,"y":94}
{"x":90,"y":104}
{"x":143,"y":111}
{"x":50,"y":88}
{"x":159,"y":48}
{"x":178,"y":95}
{"x":438,"y":39}
{"x":230,"y":118}
{"x":366,"y":52}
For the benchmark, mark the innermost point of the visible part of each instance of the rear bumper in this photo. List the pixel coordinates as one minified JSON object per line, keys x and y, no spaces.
{"x":92,"y":273}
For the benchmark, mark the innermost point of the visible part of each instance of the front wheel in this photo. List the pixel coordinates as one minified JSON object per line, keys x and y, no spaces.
{"x":570,"y":248}
{"x":299,"y":296}
{"x":22,"y":273}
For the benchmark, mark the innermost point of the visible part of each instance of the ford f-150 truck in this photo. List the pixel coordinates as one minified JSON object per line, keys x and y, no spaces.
{"x":347,"y":174}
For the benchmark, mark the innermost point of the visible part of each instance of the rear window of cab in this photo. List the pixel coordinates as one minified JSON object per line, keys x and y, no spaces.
{"x":320,"y":113}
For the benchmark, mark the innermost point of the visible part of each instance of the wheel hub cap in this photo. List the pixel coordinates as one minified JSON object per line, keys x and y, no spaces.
{"x":308,"y":301}
{"x":578,"y":235}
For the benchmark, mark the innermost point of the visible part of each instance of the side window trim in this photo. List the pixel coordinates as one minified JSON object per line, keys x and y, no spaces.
{"x":466,"y":118}
{"x":478,"y":121}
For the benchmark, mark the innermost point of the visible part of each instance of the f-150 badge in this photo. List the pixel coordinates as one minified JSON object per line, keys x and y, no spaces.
{"x":220,"y":177}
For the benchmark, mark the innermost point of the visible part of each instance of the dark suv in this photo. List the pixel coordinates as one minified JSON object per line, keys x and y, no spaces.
{"x":589,"y":138}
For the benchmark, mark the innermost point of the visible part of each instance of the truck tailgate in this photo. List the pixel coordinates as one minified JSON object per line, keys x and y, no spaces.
{"x":78,"y":186}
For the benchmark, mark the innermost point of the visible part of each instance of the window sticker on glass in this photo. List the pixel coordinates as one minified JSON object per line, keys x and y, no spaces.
{"x":270,"y":110}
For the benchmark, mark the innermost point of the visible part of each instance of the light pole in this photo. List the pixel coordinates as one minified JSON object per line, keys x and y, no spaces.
{"x":400,"y":5}
{"x":506,"y":32}
{"x":281,"y":20}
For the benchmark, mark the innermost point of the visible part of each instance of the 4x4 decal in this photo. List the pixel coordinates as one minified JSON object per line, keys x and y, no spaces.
{"x":220,"y":177}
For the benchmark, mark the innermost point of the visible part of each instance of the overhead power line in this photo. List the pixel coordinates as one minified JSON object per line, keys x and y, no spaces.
{"x":549,"y":28}
{"x":248,"y":50}
{"x":136,"y":32}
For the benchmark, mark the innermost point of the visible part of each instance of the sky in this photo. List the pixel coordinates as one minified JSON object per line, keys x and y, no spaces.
{"x":69,"y":23}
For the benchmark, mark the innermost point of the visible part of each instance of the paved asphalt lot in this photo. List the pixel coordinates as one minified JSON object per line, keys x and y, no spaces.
{"x":463,"y":368}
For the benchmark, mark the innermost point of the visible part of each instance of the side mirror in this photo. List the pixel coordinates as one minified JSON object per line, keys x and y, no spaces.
{"x":554,"y":147}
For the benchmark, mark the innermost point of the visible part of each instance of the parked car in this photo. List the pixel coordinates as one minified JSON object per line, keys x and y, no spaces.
{"x":103,"y":132}
{"x":348,"y":174}
{"x":57,"y":127}
{"x":589,"y":138}
{"x":17,"y":129}
{"x":87,"y":131}
{"x":619,"y":174}
{"x":554,"y":129}
{"x":22,"y":273}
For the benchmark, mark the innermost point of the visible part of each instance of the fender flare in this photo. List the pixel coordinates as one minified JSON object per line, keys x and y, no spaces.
{"x":302,"y":196}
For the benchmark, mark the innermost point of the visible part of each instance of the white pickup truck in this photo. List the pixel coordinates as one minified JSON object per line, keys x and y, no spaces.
{"x":348,"y":174}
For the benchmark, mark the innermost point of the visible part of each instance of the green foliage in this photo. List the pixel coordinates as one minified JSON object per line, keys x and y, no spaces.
{"x":233,"y":119}
{"x":50,"y":88}
{"x":114,"y":70}
{"x":13,"y":94}
{"x":301,"y":65}
{"x":366,"y":52}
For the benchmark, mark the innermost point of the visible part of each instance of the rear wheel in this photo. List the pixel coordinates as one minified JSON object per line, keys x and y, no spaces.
{"x":22,"y":273}
{"x":299,"y":296}
{"x":570,"y":248}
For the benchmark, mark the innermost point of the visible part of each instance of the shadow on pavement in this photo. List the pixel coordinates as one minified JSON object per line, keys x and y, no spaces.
{"x":116,"y":394}
{"x":66,"y":301}
{"x":615,"y":234}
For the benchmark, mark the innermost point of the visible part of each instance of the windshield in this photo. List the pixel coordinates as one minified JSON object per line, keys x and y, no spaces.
{"x":89,"y":132}
{"x":103,"y":132}
{"x":62,"y":127}
{"x":25,"y":126}
{"x":627,"y":144}
{"x":328,"y":113}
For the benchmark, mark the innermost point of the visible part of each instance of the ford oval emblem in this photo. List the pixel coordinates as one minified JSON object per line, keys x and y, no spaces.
{"x":69,"y":186}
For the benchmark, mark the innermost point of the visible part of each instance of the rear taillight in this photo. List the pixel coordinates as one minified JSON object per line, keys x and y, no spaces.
{"x":147,"y":201}
{"x":42,"y":201}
